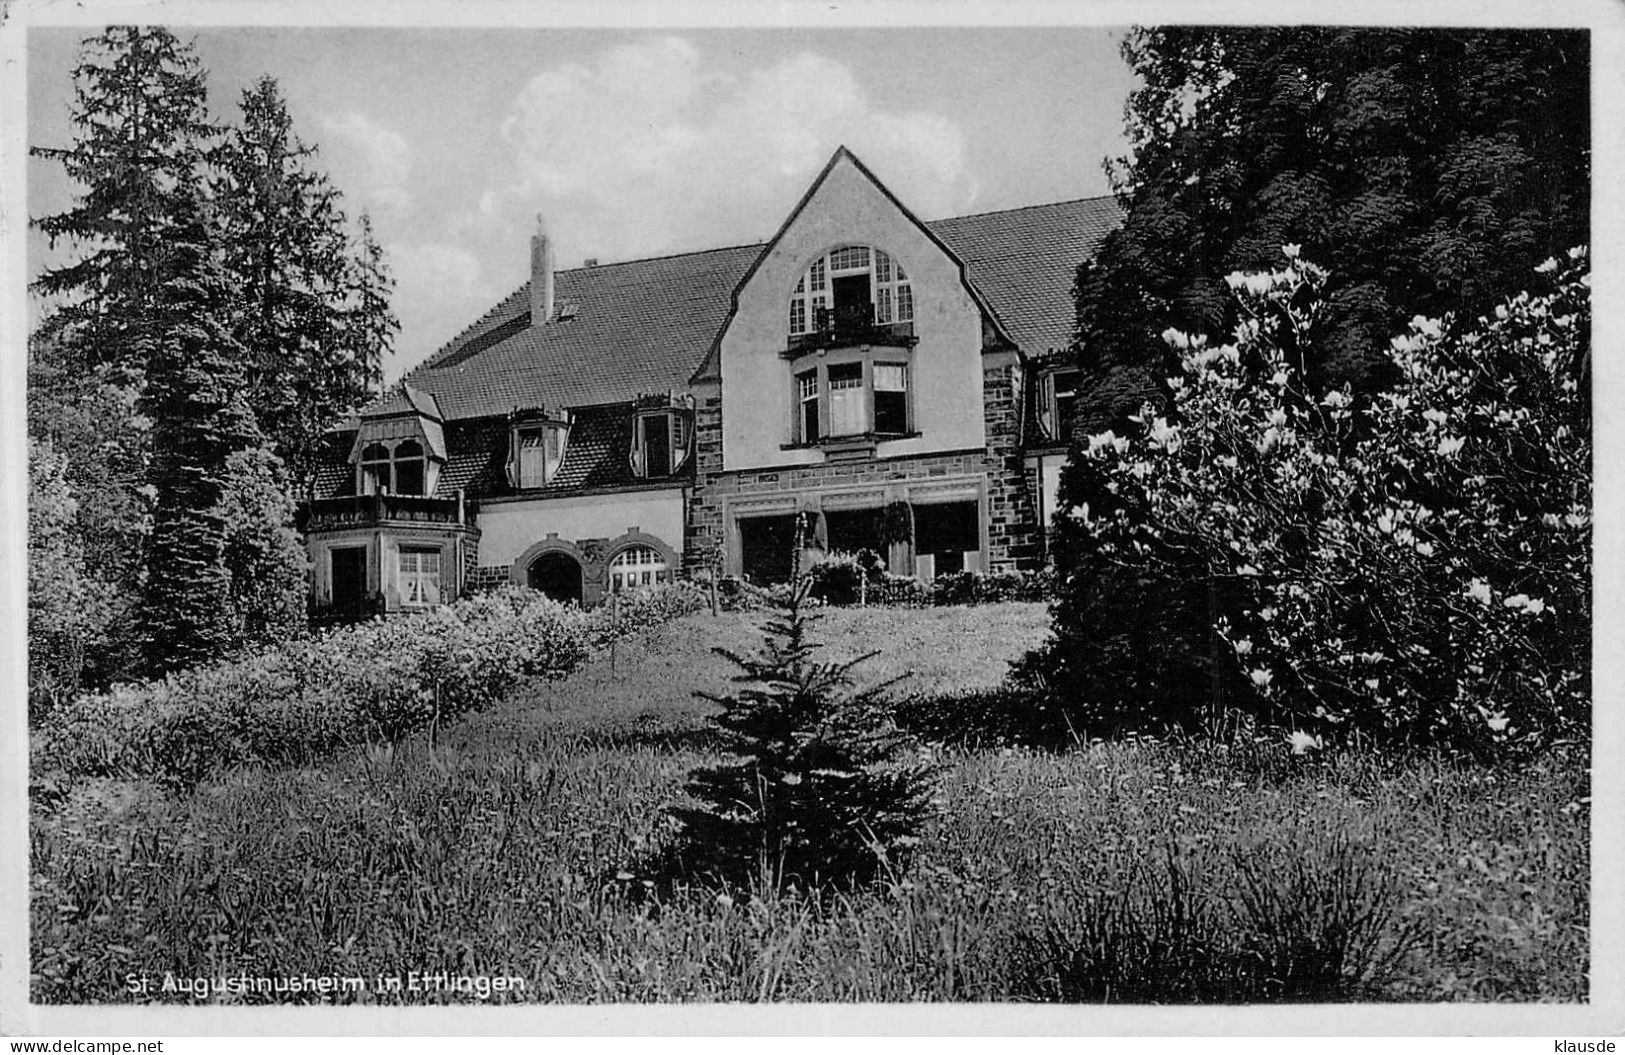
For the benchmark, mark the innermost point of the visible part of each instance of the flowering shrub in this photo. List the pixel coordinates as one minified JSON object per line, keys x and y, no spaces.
{"x":1415,"y":566}
{"x":374,"y":682}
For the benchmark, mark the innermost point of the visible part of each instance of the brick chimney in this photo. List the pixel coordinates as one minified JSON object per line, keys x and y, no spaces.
{"x":541,"y":274}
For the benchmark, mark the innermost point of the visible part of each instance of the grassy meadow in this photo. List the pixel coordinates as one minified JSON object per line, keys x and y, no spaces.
{"x":519,"y":844}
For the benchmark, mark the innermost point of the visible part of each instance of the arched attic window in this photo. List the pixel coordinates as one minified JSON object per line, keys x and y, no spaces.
{"x":851,"y":287}
{"x":395,"y":470}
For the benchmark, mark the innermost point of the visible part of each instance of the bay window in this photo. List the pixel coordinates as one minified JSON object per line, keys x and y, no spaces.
{"x":855,"y":394}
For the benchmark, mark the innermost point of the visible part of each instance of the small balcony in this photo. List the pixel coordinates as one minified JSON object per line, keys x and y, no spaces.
{"x":354,"y":511}
{"x":849,"y":326}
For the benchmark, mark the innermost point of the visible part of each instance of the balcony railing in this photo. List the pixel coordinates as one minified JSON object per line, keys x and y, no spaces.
{"x":850,"y":325}
{"x":334,"y":514}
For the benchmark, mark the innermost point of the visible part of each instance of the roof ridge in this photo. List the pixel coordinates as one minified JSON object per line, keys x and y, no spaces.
{"x":1023,"y":208}
{"x":660,"y":256}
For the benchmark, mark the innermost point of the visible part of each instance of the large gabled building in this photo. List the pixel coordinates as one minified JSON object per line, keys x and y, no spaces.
{"x":901,"y":386}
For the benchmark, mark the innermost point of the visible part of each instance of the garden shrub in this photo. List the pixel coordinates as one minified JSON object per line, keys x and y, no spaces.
{"x":1412,"y":567}
{"x":374,"y":682}
{"x":845,"y":578}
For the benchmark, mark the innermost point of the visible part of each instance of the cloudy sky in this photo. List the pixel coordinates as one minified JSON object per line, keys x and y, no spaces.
{"x":637,"y":143}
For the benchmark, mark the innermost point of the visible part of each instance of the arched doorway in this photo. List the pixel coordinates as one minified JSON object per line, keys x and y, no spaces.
{"x":556,"y":574}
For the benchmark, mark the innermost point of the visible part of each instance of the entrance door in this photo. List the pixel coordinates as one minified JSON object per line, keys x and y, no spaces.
{"x":557,"y":575}
{"x":349,"y":576}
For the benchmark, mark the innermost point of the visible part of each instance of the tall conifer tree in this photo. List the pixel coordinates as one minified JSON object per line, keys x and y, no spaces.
{"x":288,"y":253}
{"x":141,"y":132}
{"x":194,"y":397}
{"x":140,"y":137}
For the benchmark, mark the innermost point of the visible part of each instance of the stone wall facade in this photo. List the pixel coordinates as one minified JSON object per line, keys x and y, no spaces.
{"x":996,"y":477}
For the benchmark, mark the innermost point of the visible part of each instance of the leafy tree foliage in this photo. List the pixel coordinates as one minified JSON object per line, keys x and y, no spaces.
{"x":1429,"y":170}
{"x":87,"y":425}
{"x":1412,"y":567}
{"x":822,"y":788}
{"x":194,"y":397}
{"x":289,"y":255}
{"x":263,"y":555}
{"x":62,"y":601}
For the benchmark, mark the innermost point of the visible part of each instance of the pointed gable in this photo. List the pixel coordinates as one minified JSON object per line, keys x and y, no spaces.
{"x":845,"y":199}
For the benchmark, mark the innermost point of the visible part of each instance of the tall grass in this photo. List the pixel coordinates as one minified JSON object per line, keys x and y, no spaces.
{"x":1143,"y":872}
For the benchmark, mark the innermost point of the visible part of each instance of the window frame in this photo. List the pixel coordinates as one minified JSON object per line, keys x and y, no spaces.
{"x":410,"y":584}
{"x":619,"y":576}
{"x":815,"y":284}
{"x":381,"y":476}
{"x":1054,"y":426}
{"x":679,"y":440}
{"x":556,"y":432}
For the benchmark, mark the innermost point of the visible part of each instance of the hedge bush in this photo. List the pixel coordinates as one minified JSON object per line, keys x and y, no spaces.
{"x":846,"y":579}
{"x":374,"y":682}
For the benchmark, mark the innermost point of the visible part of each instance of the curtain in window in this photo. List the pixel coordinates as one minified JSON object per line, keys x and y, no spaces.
{"x":420,"y":576}
{"x":533,"y":458}
{"x":847,"y":414}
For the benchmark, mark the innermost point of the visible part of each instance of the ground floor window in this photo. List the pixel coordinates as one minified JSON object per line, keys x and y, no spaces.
{"x":637,"y":566}
{"x":419,"y":576}
{"x":947,"y":538}
{"x":855,"y":530}
{"x":765,"y":545}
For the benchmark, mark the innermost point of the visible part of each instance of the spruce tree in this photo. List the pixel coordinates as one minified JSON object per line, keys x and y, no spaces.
{"x":287,"y":252}
{"x":822,"y":790}
{"x":141,"y":133}
{"x":370,"y":322}
{"x":194,"y":397}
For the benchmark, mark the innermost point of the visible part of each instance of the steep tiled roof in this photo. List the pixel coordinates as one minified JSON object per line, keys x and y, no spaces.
{"x":1024,"y":260}
{"x":595,"y":457}
{"x":404,"y":398}
{"x":644,"y":326}
{"x":638,"y":328}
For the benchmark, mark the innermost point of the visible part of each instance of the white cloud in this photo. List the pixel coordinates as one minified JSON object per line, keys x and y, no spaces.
{"x":644,"y":149}
{"x":376,"y":161}
{"x":439,"y":288}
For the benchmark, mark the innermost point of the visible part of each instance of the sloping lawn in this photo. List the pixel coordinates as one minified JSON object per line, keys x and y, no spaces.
{"x":1115,"y":872}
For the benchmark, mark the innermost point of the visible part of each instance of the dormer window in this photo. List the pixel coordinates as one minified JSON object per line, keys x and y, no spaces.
{"x":849,"y":288}
{"x":398,"y":469}
{"x":538,"y":453}
{"x":660,"y":443}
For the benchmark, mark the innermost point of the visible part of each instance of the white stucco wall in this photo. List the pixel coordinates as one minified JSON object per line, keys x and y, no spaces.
{"x":508,"y":529}
{"x":757,"y":399}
